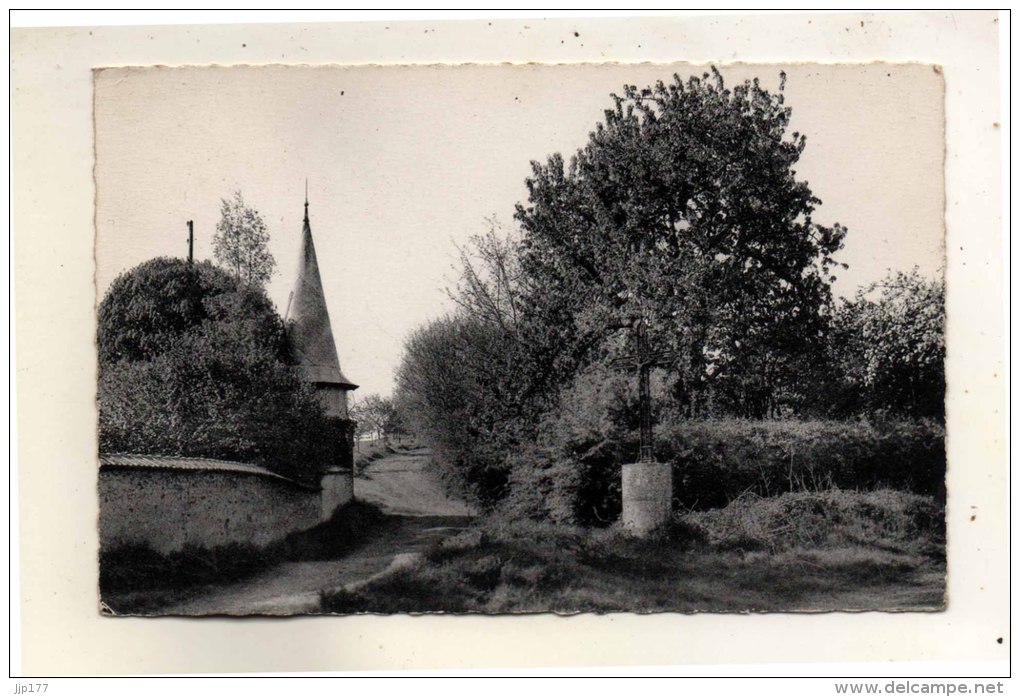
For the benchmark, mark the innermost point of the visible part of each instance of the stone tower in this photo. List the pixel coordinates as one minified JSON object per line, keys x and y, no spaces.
{"x":311,"y":338}
{"x":311,"y":334}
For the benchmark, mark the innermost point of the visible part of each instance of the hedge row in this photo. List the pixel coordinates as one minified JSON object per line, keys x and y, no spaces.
{"x":716,"y":461}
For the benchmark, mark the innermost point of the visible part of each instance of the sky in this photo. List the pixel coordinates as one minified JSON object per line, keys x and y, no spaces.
{"x":405,"y":163}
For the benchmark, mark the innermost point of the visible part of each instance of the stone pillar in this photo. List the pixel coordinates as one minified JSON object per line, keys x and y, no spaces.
{"x":647,"y":497}
{"x":337,"y":490}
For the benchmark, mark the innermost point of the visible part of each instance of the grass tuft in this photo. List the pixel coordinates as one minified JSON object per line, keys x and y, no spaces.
{"x":884,"y":519}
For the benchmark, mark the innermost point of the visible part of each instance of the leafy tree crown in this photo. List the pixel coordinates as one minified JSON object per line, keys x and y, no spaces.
{"x":241,"y":242}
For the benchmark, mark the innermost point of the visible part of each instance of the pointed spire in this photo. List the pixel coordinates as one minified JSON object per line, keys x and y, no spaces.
{"x":308,"y":320}
{"x":306,"y":200}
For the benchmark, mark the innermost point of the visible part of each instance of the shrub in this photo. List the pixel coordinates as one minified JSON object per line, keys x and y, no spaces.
{"x":575,"y":477}
{"x":149,"y":307}
{"x":208,"y":396}
{"x":450,"y":384}
{"x":194,"y":363}
{"x":541,"y":486}
{"x":571,"y":475}
{"x":888,"y":519}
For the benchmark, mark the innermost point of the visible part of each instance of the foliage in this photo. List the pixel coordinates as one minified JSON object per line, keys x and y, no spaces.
{"x":241,"y":242}
{"x":523,"y":358}
{"x":889,"y":346}
{"x":490,"y":287}
{"x":684,"y":212}
{"x":456,"y":402}
{"x":475,"y":383}
{"x":716,"y":461}
{"x":148,"y":307}
{"x":208,"y":378}
{"x":571,"y":472}
{"x":684,"y":209}
{"x":576,"y":477}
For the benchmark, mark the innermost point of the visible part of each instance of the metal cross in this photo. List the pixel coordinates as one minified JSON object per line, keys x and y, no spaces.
{"x":644,"y":360}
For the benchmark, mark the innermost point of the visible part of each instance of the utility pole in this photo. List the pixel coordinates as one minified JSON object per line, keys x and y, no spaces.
{"x":191,"y":241}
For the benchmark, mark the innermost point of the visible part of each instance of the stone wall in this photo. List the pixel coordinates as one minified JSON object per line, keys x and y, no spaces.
{"x":166,"y":509}
{"x":337,"y":489}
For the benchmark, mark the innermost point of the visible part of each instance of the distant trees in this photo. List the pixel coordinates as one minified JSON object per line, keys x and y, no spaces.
{"x":193,"y":363}
{"x":376,"y":417}
{"x":888,"y":346}
{"x":241,"y":242}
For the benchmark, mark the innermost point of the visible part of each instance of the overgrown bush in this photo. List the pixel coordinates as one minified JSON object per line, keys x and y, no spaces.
{"x":151,"y":306}
{"x":885,"y":518}
{"x":459,"y":384}
{"x":193,"y":363}
{"x":571,"y":474}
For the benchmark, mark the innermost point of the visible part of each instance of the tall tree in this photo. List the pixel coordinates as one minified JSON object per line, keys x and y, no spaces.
{"x":684,"y":209}
{"x":241,"y":242}
{"x":492,"y":292}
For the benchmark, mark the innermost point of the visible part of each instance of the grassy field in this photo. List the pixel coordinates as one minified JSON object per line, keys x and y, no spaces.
{"x":832,"y":550}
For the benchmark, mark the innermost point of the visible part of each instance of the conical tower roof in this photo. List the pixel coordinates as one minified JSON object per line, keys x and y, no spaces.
{"x":311,"y":335}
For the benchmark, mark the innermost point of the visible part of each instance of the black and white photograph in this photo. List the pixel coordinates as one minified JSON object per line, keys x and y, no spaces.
{"x":520,"y":339}
{"x":511,"y":343}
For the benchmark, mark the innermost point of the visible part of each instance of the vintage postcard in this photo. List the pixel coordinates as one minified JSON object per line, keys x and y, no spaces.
{"x":520,"y":339}
{"x":509,"y":343}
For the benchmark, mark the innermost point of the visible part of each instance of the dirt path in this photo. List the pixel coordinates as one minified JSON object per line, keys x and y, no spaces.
{"x":400,"y":484}
{"x":420,"y":514}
